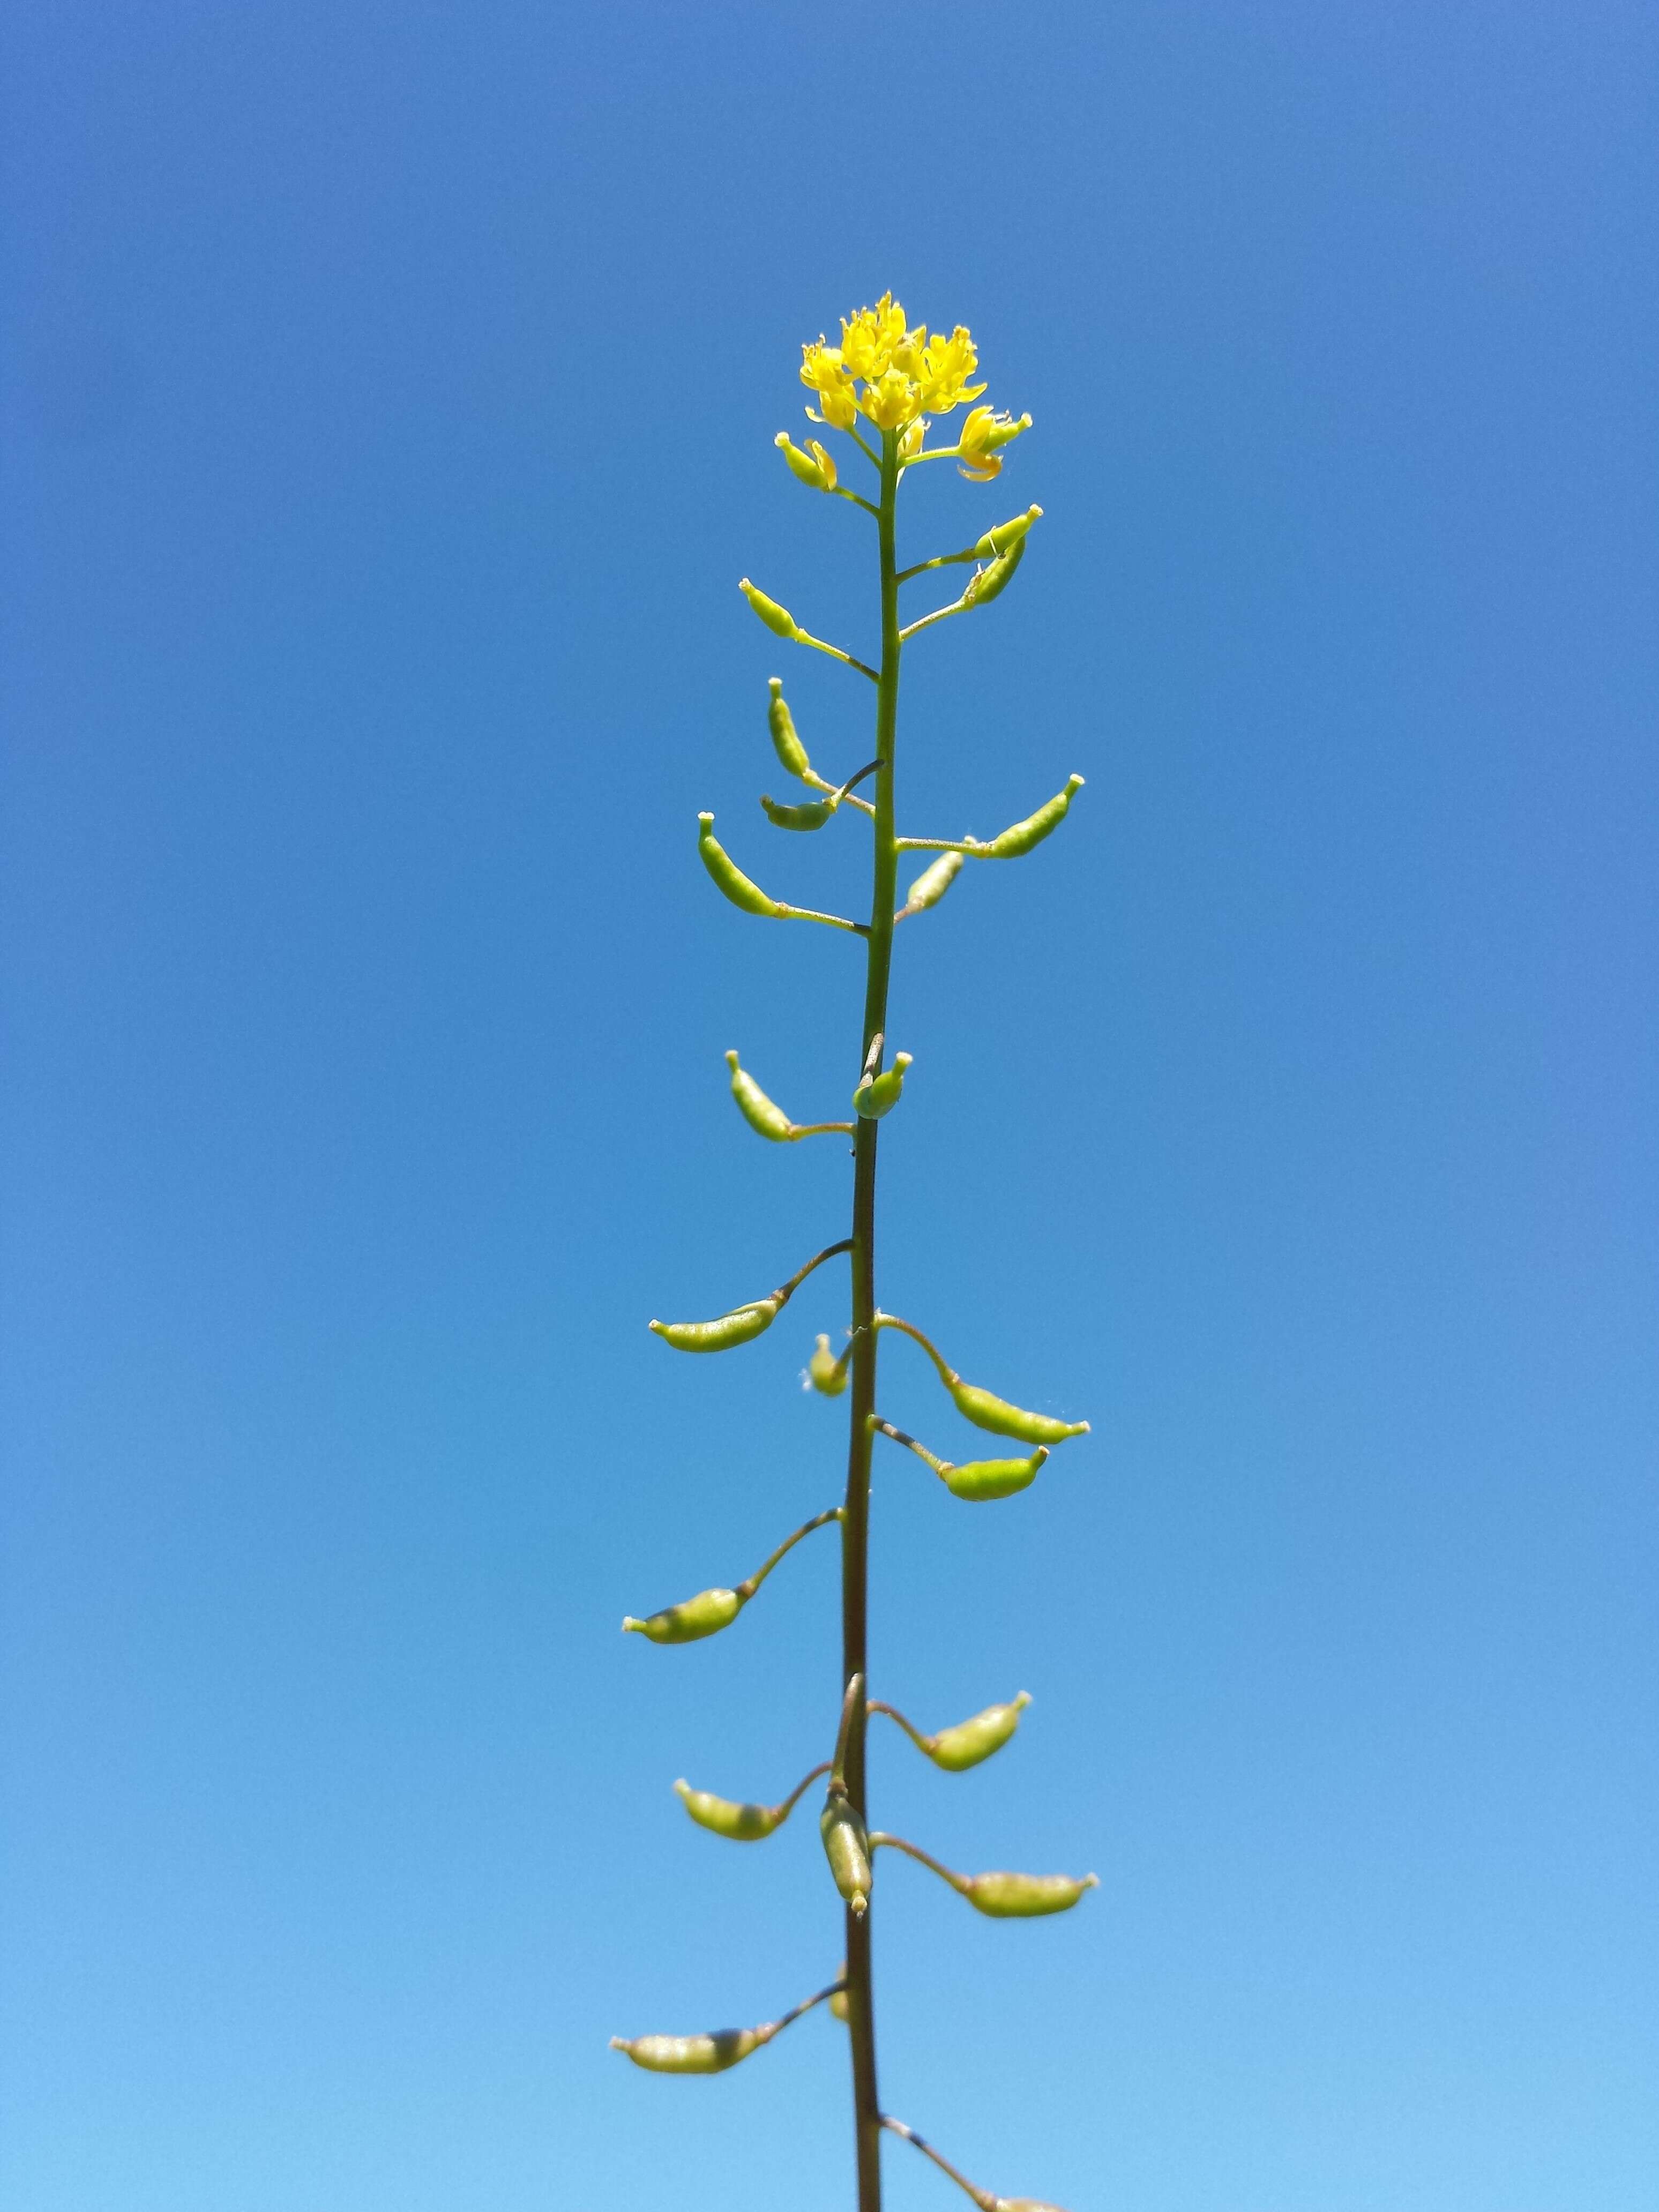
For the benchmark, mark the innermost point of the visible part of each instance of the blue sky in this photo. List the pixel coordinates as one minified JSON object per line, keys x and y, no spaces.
{"x":386,"y":410}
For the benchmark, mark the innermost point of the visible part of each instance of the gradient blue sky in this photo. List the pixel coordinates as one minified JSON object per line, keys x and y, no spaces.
{"x":387,"y":403}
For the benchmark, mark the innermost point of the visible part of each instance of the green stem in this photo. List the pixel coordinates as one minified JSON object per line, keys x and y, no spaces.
{"x":750,"y":1583}
{"x":923,"y":1743}
{"x":855,"y":1525}
{"x":878,"y":1842}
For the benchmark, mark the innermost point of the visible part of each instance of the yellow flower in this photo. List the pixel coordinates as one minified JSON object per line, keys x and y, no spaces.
{"x":983,"y":432}
{"x":891,"y":400}
{"x":894,"y":375}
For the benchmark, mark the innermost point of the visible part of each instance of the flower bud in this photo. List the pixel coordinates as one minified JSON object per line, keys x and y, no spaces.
{"x":1024,"y":1896}
{"x":957,"y":1748}
{"x":706,"y":1614}
{"x":931,"y":885}
{"x":741,"y":1824}
{"x":1006,"y":533}
{"x":987,"y":1411}
{"x":728,"y":877}
{"x":1010,"y":844}
{"x":781,"y":723}
{"x":692,"y":2054}
{"x":815,"y":469}
{"x":985,"y":584}
{"x":725,"y":1330}
{"x":810,"y":814}
{"x":847,"y":1847}
{"x":777,"y":619}
{"x":981,"y":1479}
{"x":756,"y":1109}
{"x":825,"y":1372}
{"x":879,"y":1094}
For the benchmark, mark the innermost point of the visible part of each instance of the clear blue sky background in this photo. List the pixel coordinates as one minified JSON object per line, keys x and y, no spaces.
{"x":388,"y":397}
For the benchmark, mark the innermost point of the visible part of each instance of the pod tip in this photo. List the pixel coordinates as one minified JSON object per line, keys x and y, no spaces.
{"x":774,"y":684}
{"x":782,"y":438}
{"x":1035,"y":514}
{"x":859,"y":1903}
{"x":1023,"y":1700}
{"x":730,"y":1059}
{"x":629,"y":1622}
{"x":744,"y":584}
{"x":1091,"y":1881}
{"x":618,"y":2042}
{"x":706,"y":820}
{"x":655,"y":1327}
{"x":682,"y":1788}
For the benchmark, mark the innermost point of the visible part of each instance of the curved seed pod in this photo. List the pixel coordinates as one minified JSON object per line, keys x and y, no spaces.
{"x":811,"y":814}
{"x":987,"y":1411}
{"x":727,"y":1329}
{"x":1020,"y":838}
{"x":814,"y":468}
{"x":847,"y":1847}
{"x":777,"y":619}
{"x":982,"y":1480}
{"x":740,"y":1824}
{"x":984,"y":585}
{"x":706,"y":1614}
{"x":1024,"y":1896}
{"x":957,"y":1748}
{"x":1007,"y":534}
{"x":693,"y":2054}
{"x":728,"y":877}
{"x":879,"y":1094}
{"x":756,"y":1109}
{"x":825,"y":1372}
{"x":781,"y":723}
{"x":931,"y":885}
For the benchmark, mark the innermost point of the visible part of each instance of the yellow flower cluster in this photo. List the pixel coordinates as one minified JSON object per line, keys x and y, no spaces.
{"x":904,"y":373}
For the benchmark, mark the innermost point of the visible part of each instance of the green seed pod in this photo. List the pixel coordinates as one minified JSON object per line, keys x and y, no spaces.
{"x":776,"y":618}
{"x":729,"y":878}
{"x":811,"y":814}
{"x":987,"y":1411}
{"x":931,"y":885}
{"x":756,"y":1109}
{"x":727,"y":1329}
{"x":847,"y":1847}
{"x":825,"y":1372}
{"x":706,"y":1614}
{"x":957,"y":1748}
{"x":879,"y":1094}
{"x":781,"y":723}
{"x":985,"y":584}
{"x":740,"y":1824}
{"x":692,"y":2054}
{"x":815,"y":469}
{"x":1007,"y":534}
{"x":982,"y":1480}
{"x":1011,"y":843}
{"x":1024,"y":1896}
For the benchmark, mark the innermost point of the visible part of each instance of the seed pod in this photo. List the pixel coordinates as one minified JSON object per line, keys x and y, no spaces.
{"x":815,"y":469}
{"x":1011,"y":843}
{"x":728,"y":876}
{"x":1007,"y":534}
{"x":810,"y":814}
{"x":982,"y":1480}
{"x":756,"y":1109}
{"x":781,"y":723}
{"x":740,"y":1824}
{"x":692,"y":2054}
{"x":777,"y":619}
{"x":987,"y":1411}
{"x":727,"y":1329}
{"x":825,"y":1372}
{"x":706,"y":1614}
{"x":957,"y":1748}
{"x":879,"y":1094}
{"x":985,"y":584}
{"x":1024,"y":1896}
{"x":847,"y":1847}
{"x":931,"y":885}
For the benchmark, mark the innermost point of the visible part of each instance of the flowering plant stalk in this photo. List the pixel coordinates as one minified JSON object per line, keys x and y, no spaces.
{"x":883,"y":386}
